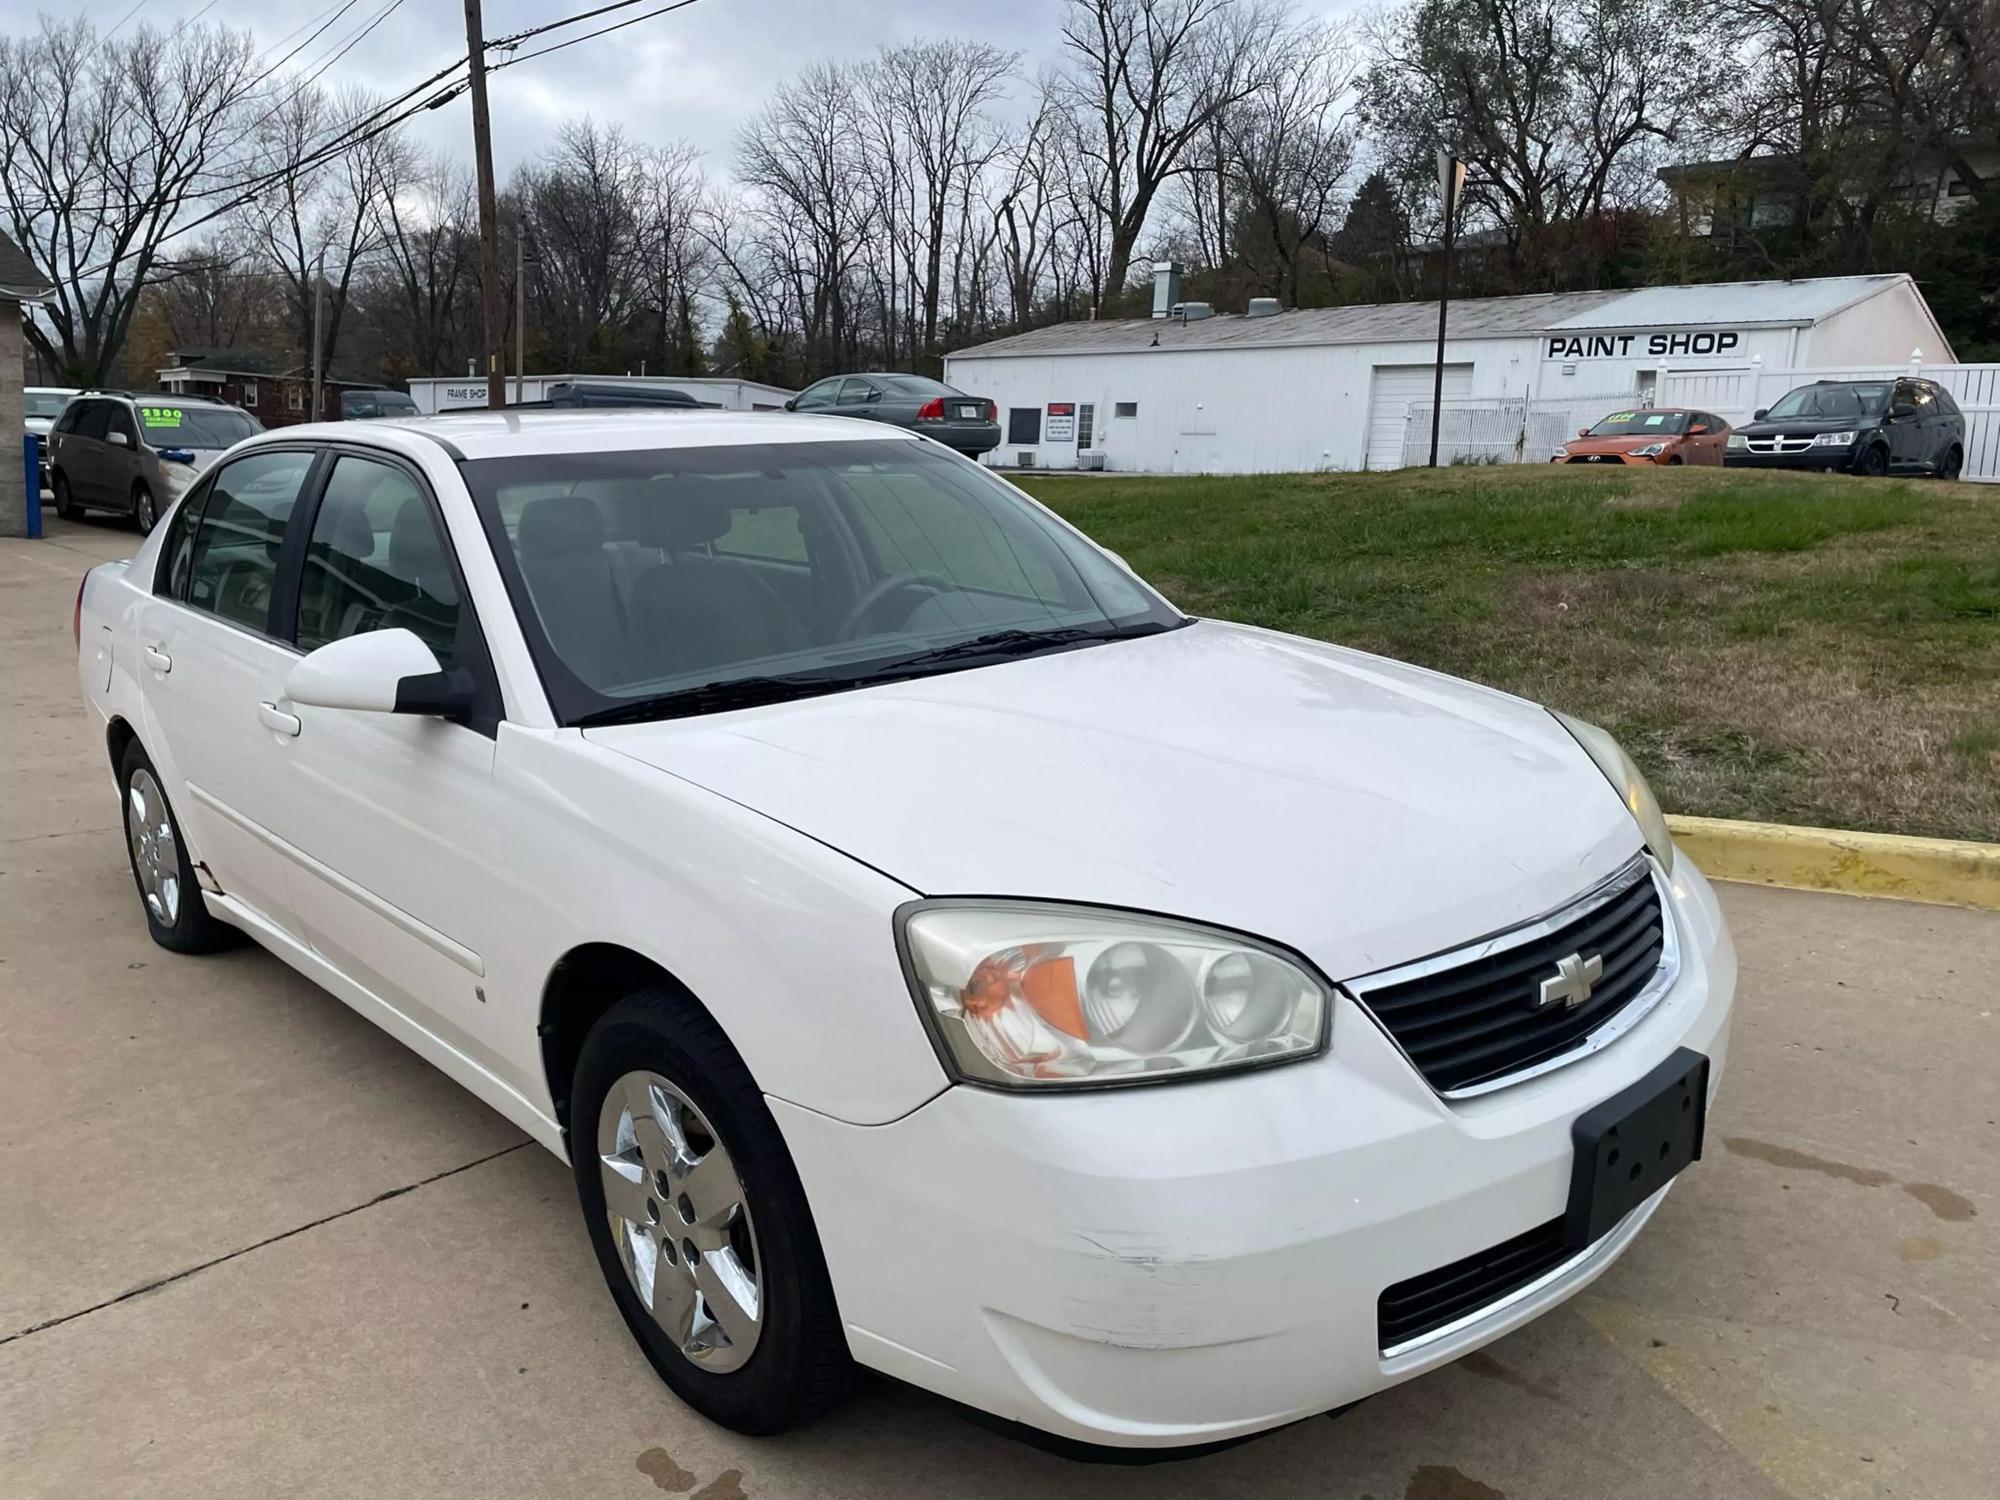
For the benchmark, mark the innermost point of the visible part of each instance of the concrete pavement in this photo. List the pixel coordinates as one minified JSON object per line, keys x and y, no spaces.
{"x":249,"y":1246}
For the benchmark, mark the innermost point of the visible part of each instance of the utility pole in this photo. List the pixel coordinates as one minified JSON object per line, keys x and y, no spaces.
{"x":489,"y":214}
{"x":1451,"y":177}
{"x":319,"y":341}
{"x":520,"y":316}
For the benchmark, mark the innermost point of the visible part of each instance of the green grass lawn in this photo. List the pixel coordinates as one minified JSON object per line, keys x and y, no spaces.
{"x":1797,"y":648}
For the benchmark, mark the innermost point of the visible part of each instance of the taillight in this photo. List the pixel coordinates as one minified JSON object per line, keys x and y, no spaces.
{"x":76,"y":615}
{"x":992,"y":411}
{"x":932,"y":410}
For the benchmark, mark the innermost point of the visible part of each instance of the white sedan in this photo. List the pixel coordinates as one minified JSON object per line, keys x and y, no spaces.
{"x":930,"y":948}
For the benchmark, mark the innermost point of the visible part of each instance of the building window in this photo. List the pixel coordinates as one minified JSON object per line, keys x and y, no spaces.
{"x":249,"y":393}
{"x":295,"y":397}
{"x":1024,"y":425}
{"x":1958,"y":188}
{"x":1125,"y":409}
{"x":1086,"y":426}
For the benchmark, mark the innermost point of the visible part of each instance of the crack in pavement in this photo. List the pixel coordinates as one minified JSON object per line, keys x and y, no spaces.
{"x":285,"y":1234}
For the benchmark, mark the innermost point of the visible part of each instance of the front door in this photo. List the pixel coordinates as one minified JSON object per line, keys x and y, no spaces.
{"x":81,"y":452}
{"x":209,"y":663}
{"x":392,"y":821}
{"x":1908,"y":433}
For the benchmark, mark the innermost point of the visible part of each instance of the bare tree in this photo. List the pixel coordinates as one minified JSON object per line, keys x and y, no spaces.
{"x":423,"y":297}
{"x":679,"y":258}
{"x":585,"y":204}
{"x":106,"y":142}
{"x":1145,"y":79}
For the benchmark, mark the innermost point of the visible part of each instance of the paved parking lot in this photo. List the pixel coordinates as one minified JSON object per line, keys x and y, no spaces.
{"x":249,"y":1246}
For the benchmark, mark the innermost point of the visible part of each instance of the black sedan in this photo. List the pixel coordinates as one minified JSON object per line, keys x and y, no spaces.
{"x":970,"y":424}
{"x":1871,"y":427}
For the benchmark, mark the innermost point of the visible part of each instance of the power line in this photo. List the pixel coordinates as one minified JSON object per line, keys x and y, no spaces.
{"x":601,"y":31}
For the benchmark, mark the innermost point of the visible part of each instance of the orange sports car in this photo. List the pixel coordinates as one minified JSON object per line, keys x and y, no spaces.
{"x":1649,"y":435}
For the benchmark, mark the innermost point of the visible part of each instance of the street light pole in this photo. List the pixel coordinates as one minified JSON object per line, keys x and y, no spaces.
{"x":489,"y":217}
{"x":1451,"y":176}
{"x":318,"y":368}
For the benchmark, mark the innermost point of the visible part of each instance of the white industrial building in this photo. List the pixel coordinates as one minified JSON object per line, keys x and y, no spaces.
{"x":434,"y":393}
{"x":1270,"y":391}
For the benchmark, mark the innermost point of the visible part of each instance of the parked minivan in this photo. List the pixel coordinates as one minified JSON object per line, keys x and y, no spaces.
{"x":137,"y":455}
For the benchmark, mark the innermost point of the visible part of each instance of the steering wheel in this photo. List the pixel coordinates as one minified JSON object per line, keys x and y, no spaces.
{"x":882,"y":589}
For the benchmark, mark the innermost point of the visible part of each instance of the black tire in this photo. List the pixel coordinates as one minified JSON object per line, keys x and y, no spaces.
{"x":145,"y":514}
{"x":66,"y":505}
{"x":800,"y":1364}
{"x":1675,"y":460}
{"x":1873,"y":462}
{"x":1954,"y":463}
{"x":187,"y":927}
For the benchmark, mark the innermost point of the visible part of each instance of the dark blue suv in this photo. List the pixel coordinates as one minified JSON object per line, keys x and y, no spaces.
{"x":1904,"y":426}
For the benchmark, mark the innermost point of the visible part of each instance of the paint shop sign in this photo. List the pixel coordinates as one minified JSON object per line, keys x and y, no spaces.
{"x":1647,"y":345}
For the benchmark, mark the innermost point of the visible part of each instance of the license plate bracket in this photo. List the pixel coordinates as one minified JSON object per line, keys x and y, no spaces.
{"x":1633,"y":1144}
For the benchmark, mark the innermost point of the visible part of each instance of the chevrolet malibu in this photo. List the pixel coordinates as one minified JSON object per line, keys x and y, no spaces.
{"x":930,"y":948}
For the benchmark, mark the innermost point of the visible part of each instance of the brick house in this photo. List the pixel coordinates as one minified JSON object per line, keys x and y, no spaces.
{"x":276,"y":392}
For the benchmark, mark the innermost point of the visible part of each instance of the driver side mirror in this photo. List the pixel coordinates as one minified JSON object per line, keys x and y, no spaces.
{"x":384,"y":672}
{"x":117,"y":440}
{"x":1902,"y":409}
{"x":1760,"y":413}
{"x":793,"y":404}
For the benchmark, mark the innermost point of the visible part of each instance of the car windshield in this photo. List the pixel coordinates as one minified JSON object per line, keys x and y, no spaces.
{"x":169,"y":424}
{"x":1641,"y":424}
{"x":1836,"y":401}
{"x":43,"y":403}
{"x":914,"y":385}
{"x":665,"y":582}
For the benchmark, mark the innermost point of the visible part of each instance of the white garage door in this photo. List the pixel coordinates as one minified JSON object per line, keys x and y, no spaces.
{"x":1395,"y":390}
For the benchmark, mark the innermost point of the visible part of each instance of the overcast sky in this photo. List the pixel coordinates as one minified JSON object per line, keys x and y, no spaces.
{"x":694,"y":74}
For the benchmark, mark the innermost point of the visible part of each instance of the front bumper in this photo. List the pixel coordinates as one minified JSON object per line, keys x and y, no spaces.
{"x":1821,"y":460}
{"x":1610,"y":460}
{"x":1178,"y":1265}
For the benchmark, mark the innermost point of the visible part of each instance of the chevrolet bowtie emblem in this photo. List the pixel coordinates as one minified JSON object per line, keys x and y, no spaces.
{"x":1572,"y":982}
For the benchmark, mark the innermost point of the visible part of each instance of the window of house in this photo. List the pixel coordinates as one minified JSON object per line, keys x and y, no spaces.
{"x":1086,"y":426}
{"x":295,"y":397}
{"x":1957,"y":188}
{"x":1024,"y":425}
{"x":1125,"y":409}
{"x":249,"y":393}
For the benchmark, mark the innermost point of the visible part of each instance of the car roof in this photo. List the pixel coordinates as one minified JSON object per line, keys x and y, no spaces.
{"x":512,"y":432}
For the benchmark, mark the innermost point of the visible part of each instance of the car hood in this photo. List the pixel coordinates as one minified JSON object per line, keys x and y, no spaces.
{"x":1362,"y":811}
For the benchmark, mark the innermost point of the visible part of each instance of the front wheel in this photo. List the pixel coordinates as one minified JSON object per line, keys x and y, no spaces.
{"x":143,"y":513}
{"x":699,"y":1220}
{"x":1873,"y":463}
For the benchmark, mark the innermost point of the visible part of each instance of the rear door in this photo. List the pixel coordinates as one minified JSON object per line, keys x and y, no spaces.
{"x":211,"y":666}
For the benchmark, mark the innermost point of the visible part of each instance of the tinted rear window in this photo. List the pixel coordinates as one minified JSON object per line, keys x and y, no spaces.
{"x":914,"y":385}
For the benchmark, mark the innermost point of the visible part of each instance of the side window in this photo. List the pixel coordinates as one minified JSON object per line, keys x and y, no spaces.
{"x":234,"y":562}
{"x":121,"y":422}
{"x":172,"y":579}
{"x":1905,"y":394}
{"x":814,"y":397}
{"x":1946,"y":402}
{"x":769,"y":533}
{"x":855,"y":392}
{"x":67,"y":421}
{"x":377,"y":561}
{"x":91,"y":420}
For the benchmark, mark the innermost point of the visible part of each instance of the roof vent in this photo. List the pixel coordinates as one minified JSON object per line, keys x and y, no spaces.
{"x":1194,"y":312}
{"x":1263,"y":307}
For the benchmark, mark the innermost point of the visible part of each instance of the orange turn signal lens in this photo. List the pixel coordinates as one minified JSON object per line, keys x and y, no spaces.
{"x":1043,"y":979}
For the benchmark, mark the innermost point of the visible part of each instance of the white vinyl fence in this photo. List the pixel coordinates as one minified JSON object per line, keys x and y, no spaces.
{"x":1504,"y":429}
{"x":1528,"y":429}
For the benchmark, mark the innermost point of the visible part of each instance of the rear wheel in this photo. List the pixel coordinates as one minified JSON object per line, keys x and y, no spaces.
{"x":143,"y":513}
{"x":1954,"y":463}
{"x":66,"y":505}
{"x":175,"y":913}
{"x":1873,"y":462}
{"x":698,"y":1218}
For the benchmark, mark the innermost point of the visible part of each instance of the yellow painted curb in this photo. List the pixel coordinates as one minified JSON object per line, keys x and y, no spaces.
{"x":1945,"y":872}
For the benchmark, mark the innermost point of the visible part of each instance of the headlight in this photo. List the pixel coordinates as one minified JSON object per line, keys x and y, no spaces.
{"x":1630,"y":785}
{"x":1738,"y":440}
{"x":1651,"y":450}
{"x":1026,"y":994}
{"x":1833,"y":439}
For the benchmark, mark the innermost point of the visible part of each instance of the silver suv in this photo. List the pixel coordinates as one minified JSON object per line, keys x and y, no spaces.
{"x":111,"y":450}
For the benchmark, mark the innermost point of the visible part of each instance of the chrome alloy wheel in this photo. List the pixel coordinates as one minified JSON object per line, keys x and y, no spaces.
{"x":156,"y":855}
{"x":680,"y":1221}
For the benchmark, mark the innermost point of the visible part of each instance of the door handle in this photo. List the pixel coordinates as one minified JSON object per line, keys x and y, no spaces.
{"x":158,"y":660}
{"x":277,"y":720}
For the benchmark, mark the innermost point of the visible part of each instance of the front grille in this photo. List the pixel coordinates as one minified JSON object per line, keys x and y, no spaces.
{"x":1778,"y":443}
{"x":1597,"y":458}
{"x":1476,"y":1017}
{"x":1423,"y":1304}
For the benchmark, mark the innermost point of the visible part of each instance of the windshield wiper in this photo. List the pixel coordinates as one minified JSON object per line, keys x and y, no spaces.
{"x":1012,"y":642}
{"x":715,"y":697}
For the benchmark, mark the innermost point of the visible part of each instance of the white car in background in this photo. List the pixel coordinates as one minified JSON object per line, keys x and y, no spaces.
{"x":40,"y":406}
{"x":930,"y":947}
